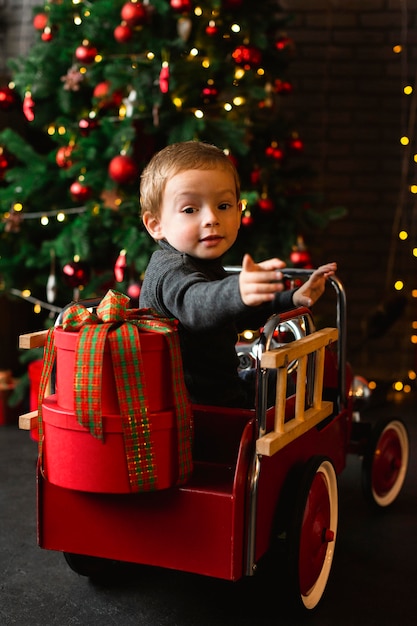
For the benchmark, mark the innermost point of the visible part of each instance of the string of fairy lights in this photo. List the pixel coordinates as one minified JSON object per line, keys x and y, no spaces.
{"x":401,"y":273}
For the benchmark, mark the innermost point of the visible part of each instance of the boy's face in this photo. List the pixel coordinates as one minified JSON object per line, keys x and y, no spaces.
{"x":200,"y":213}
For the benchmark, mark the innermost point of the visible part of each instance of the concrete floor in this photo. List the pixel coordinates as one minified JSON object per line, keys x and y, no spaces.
{"x":372,"y":582}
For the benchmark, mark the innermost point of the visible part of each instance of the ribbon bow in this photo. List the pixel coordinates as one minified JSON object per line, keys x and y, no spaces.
{"x":120,"y":326}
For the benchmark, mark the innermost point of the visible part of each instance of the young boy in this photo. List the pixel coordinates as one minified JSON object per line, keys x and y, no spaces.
{"x":190,"y":204}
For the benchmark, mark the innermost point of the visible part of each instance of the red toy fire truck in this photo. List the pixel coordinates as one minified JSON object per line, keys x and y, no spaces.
{"x":261,"y":479}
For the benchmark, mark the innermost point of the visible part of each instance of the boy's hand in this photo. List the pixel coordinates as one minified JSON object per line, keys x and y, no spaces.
{"x":259,"y":282}
{"x":313,"y":288}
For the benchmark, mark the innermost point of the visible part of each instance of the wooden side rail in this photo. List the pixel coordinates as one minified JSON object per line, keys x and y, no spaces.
{"x":304,"y":419}
{"x":29,"y":421}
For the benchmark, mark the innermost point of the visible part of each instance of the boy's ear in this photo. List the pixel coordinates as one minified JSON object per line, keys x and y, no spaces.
{"x":152,"y":225}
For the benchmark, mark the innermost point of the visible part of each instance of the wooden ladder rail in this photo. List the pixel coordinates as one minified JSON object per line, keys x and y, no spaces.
{"x":304,"y":419}
{"x":28,"y":421}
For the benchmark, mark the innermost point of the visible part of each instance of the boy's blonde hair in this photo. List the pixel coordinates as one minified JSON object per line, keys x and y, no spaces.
{"x":177,"y":158}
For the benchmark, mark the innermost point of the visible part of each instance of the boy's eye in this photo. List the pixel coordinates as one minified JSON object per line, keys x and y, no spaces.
{"x":224,"y":206}
{"x":188,"y":209}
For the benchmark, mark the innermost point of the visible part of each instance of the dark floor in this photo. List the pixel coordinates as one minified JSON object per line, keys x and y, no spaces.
{"x":373,"y":579}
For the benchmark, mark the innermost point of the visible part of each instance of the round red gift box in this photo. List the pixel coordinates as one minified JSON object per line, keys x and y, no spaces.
{"x":74,"y":459}
{"x":156,"y":372}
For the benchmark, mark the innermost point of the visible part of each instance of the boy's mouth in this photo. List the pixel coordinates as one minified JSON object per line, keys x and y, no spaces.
{"x":211,"y":238}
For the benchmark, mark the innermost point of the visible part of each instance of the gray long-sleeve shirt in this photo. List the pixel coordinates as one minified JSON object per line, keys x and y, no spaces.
{"x":207,"y":304}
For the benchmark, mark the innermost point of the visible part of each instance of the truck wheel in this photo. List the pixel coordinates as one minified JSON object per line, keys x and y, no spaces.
{"x":385,"y":462}
{"x":93,"y":567}
{"x":312,"y":533}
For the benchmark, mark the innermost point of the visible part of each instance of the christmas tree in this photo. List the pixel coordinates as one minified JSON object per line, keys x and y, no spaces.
{"x":109,"y":82}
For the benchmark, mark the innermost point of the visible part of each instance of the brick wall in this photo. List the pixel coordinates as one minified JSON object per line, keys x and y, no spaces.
{"x":351,"y":112}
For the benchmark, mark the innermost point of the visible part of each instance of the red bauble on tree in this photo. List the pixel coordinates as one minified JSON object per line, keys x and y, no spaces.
{"x":86,"y":125}
{"x":274,"y":151}
{"x":300,"y":256}
{"x":183,"y":6}
{"x":247,"y":56}
{"x":123,"y":169}
{"x":63,"y":157}
{"x":79,"y":192}
{"x":28,"y":107}
{"x":120,"y":267}
{"x":47,"y":34}
{"x":76,"y":274}
{"x":107,"y":98}
{"x":282,"y":86}
{"x":85,"y":53}
{"x":133,"y":290}
{"x":40,"y":21}
{"x":211,"y":29}
{"x":123,"y":33}
{"x":265,"y":204}
{"x":133,"y":13}
{"x":247,"y":219}
{"x":7,"y":98}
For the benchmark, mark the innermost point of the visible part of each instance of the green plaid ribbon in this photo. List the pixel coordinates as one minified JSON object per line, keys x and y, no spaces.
{"x":121,"y":327}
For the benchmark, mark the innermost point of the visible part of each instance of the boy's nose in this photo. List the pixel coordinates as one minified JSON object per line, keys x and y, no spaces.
{"x":210,"y":217}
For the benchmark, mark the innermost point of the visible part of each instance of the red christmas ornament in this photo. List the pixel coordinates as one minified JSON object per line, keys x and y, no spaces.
{"x":103,"y":92}
{"x":265,"y":204}
{"x":79,"y":192}
{"x":7,"y":98}
{"x":47,"y":35}
{"x":28,"y":106}
{"x":247,"y":220}
{"x":209,"y":93}
{"x":122,"y":169}
{"x":4,"y":162}
{"x":76,"y":274}
{"x":284,"y":43}
{"x":86,"y":125}
{"x":247,"y":56}
{"x":183,"y":6}
{"x":133,"y":291}
{"x":282,"y":86}
{"x":133,"y":13}
{"x":85,"y":53}
{"x":40,"y":21}
{"x":211,"y":29}
{"x":164,"y":78}
{"x":120,"y":267}
{"x":255,"y":176}
{"x":123,"y":33}
{"x":63,"y":157}
{"x":295,"y":144}
{"x":274,"y":152}
{"x":300,"y":258}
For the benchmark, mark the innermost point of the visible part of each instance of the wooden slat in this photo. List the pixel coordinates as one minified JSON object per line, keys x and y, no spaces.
{"x":33,"y":340}
{"x":28,"y":421}
{"x":280,"y":357}
{"x":272,"y":442}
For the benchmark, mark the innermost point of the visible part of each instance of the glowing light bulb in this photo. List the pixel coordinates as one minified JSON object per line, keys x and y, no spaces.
{"x":199,"y":114}
{"x":408,"y":90}
{"x":398,"y":285}
{"x":398,"y":386}
{"x":403,"y":235}
{"x":44,"y":220}
{"x":397,"y":49}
